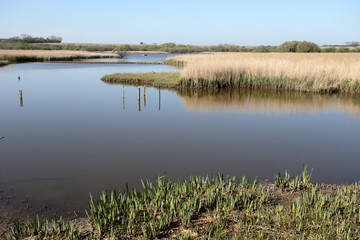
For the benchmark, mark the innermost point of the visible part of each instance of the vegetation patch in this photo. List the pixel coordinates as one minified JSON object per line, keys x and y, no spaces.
{"x":18,"y":56}
{"x":215,"y":207}
{"x":312,"y":72}
{"x":170,"y":79}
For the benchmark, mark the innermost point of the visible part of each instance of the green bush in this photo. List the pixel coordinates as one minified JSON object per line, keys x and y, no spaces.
{"x":305,"y":46}
{"x":288,"y":47}
{"x":262,"y":49}
{"x":343,"y":50}
{"x":329,"y":49}
{"x":296,"y":46}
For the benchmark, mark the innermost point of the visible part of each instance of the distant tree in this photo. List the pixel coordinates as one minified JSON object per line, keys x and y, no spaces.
{"x":124,"y":47}
{"x":296,"y":46}
{"x":141,"y":43}
{"x":25,"y":36}
{"x":54,"y":39}
{"x":167,"y":45}
{"x":305,"y":46}
{"x":288,"y":46}
{"x":329,"y":49}
{"x":343,"y":50}
{"x":353,"y":43}
{"x":261,"y":49}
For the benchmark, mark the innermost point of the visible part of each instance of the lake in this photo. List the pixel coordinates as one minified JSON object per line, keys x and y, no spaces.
{"x":70,"y":134}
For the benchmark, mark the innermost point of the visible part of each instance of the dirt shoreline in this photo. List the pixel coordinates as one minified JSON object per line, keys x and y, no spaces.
{"x":10,"y":212}
{"x":17,"y":208}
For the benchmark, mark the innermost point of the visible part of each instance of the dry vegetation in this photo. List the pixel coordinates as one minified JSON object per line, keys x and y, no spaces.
{"x":325,"y":72}
{"x":48,"y":55}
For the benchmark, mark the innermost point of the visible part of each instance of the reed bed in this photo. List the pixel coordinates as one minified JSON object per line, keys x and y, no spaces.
{"x":325,"y":72}
{"x":14,"y":56}
{"x":215,"y":207}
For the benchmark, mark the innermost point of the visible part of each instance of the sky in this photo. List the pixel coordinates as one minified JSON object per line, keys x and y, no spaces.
{"x":198,"y":22}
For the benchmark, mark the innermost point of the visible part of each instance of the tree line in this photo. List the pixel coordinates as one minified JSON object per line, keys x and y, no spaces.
{"x":29,"y":42}
{"x":26,"y":38}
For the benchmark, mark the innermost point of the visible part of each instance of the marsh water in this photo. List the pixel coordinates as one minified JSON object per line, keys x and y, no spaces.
{"x":67,"y":134}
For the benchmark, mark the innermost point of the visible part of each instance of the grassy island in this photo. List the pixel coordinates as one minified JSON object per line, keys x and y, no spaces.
{"x":308,"y":72}
{"x":214,"y":207}
{"x":170,"y":79}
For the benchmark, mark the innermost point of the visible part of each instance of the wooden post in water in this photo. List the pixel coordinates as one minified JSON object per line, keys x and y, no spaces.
{"x":21,"y":98}
{"x":123,"y":97}
{"x":139,"y":99}
{"x":144,"y":96}
{"x":159,"y":98}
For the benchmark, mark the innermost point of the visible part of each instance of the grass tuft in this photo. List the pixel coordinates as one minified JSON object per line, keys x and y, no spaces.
{"x":215,"y":207}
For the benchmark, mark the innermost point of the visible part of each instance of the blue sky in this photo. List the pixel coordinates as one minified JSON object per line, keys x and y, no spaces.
{"x":247,"y":23}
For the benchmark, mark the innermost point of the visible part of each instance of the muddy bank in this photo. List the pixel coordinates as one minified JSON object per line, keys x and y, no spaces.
{"x":278,"y":197}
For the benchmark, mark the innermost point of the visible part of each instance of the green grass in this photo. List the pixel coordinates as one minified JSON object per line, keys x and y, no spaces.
{"x":170,"y":79}
{"x":216,"y":207}
{"x":174,"y":80}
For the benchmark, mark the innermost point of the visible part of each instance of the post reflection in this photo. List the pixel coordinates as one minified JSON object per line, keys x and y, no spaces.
{"x":123,"y":97}
{"x":159,"y":99}
{"x":139,"y":99}
{"x":21,"y":98}
{"x":144,"y":96}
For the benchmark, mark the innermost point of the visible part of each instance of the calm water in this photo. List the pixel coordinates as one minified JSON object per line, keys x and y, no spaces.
{"x":72,"y":134}
{"x":137,"y":57}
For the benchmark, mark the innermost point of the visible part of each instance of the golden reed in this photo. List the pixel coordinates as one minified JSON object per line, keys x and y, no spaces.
{"x":295,"y":71}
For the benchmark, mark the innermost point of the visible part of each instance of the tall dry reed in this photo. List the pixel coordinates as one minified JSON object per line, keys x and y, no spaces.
{"x":49,"y":54}
{"x":296,"y":71}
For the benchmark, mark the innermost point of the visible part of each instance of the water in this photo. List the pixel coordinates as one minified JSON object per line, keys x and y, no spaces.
{"x":74,"y":134}
{"x":137,"y":57}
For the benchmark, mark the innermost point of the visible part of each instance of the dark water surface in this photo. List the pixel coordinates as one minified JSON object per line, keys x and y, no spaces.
{"x":75,"y":134}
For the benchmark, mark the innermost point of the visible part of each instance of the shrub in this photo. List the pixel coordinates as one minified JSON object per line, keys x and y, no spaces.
{"x":343,"y":50}
{"x":305,"y":46}
{"x":288,"y":46}
{"x":329,"y":49}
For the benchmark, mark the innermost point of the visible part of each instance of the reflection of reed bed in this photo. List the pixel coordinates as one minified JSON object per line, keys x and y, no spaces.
{"x":4,"y":62}
{"x":14,"y":56}
{"x":325,"y":72}
{"x":267,"y":101}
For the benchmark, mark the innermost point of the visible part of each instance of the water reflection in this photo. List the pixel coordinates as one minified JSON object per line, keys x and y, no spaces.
{"x":159,"y":99}
{"x":123,"y":97}
{"x":21,"y":98}
{"x":222,"y":100}
{"x":144,"y":96}
{"x":139,"y":99}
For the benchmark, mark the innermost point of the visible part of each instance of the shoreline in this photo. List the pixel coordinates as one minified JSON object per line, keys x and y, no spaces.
{"x":174,"y":80}
{"x":219,"y":207}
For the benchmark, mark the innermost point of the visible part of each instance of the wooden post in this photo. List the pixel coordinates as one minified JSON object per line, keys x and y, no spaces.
{"x":123,"y":97}
{"x":139,"y":99}
{"x":144,"y":96}
{"x":21,"y":98}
